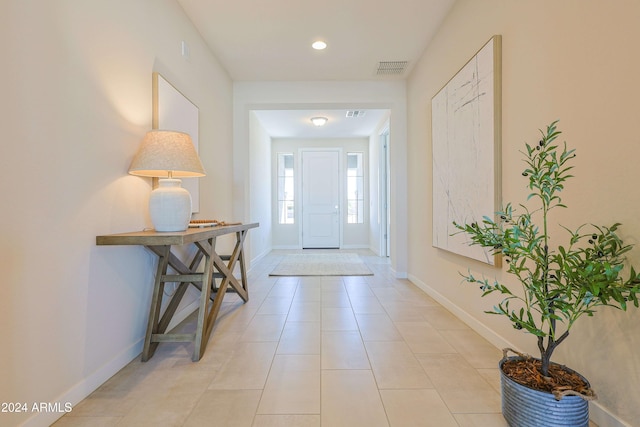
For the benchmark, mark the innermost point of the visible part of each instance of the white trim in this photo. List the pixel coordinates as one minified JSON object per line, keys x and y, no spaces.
{"x":603,"y":418}
{"x":399,"y":274}
{"x":375,"y":251}
{"x":383,"y":190}
{"x":259,"y":257}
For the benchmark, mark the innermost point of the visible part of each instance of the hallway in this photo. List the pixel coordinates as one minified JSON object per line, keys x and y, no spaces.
{"x":313,"y":351}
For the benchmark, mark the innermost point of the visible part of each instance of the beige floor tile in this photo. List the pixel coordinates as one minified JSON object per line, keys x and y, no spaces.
{"x":481,"y":420}
{"x":398,"y":311}
{"x":229,"y":408}
{"x":492,"y":376}
{"x":275,"y":305}
{"x":219,"y":349}
{"x":350,"y":398}
{"x":310,"y":281}
{"x":416,"y":408}
{"x":358,"y":288}
{"x":328,"y":283}
{"x":423,"y":338}
{"x":293,"y":386}
{"x":284,"y":287}
{"x":69,"y":421}
{"x":442,"y":319}
{"x":462,"y":388}
{"x":286,"y":421}
{"x":377,"y":327}
{"x":366,"y":304}
{"x":166,"y":411}
{"x":395,"y":366}
{"x":147,"y":382}
{"x":308,"y":293}
{"x":471,"y":399}
{"x":284,"y":280}
{"x":415,"y":295}
{"x":110,"y":403}
{"x":343,"y":350}
{"x":188,"y":381}
{"x":356,"y":280}
{"x":264,"y":327}
{"x":475,"y":349}
{"x":337,"y":298}
{"x":387,"y":294}
{"x":305,"y":311}
{"x":236,"y":318}
{"x":300,"y":338}
{"x":338,"y":319}
{"x":247,"y":367}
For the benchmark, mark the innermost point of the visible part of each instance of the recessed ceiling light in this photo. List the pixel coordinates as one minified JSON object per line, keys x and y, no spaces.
{"x":319,"y":45}
{"x":319,"y":121}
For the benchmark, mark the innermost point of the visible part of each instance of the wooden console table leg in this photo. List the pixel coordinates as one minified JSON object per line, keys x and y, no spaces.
{"x":202,"y":335}
{"x":243,"y":272}
{"x":156,"y":302}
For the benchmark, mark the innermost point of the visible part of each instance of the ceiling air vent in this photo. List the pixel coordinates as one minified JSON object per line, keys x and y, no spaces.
{"x":391,"y":68}
{"x":356,"y":113}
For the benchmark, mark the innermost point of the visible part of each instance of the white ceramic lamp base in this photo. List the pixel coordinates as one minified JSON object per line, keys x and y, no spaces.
{"x":170,"y":206}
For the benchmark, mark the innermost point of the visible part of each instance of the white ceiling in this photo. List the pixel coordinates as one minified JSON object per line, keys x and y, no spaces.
{"x":297,"y":123}
{"x":270,"y":40}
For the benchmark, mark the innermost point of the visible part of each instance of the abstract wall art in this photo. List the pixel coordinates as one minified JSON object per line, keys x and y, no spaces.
{"x":174,"y":111}
{"x":466,"y":133}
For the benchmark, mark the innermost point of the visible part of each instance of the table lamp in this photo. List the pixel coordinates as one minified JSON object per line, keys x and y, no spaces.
{"x":168,"y":155}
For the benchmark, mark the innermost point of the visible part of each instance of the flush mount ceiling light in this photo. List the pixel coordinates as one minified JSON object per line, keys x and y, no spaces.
{"x":319,"y":121}
{"x":319,"y":45}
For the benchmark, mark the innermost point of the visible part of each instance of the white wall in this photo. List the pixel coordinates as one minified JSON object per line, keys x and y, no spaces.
{"x":329,"y":95}
{"x":76,"y":101}
{"x":575,"y":61}
{"x":260,"y":210}
{"x":287,"y":236}
{"x":377,"y":182}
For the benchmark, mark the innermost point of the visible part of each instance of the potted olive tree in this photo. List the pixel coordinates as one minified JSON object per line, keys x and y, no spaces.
{"x":555,"y":285}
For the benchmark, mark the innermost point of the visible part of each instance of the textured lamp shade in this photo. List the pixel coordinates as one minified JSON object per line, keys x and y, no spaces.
{"x":168,"y":155}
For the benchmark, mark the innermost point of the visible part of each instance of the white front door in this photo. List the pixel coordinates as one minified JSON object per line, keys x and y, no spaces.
{"x":321,"y":199}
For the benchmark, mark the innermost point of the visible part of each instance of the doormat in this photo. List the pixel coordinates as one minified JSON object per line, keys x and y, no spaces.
{"x":341,"y":264}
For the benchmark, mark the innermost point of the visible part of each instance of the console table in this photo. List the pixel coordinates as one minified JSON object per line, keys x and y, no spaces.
{"x":215,"y":266}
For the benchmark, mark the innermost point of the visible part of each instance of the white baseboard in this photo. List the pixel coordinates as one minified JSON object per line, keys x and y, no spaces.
{"x":597,"y":413}
{"x":471,"y":321}
{"x":603,"y":418}
{"x":259,"y":257}
{"x":401,"y":275}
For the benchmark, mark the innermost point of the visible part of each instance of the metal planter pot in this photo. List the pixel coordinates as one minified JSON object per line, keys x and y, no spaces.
{"x":526,"y":407}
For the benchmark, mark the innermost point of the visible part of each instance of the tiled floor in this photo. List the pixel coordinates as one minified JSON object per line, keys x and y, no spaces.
{"x":313,"y":351}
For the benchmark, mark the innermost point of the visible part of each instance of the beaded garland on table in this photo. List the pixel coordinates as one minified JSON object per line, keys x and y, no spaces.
{"x":210,"y":223}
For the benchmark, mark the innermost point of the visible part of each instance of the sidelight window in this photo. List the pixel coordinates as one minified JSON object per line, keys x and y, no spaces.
{"x":355,"y":188}
{"x":286,"y":213}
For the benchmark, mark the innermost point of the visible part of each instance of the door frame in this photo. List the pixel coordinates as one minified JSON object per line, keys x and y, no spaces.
{"x":340,"y":191}
{"x":383,"y":196}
